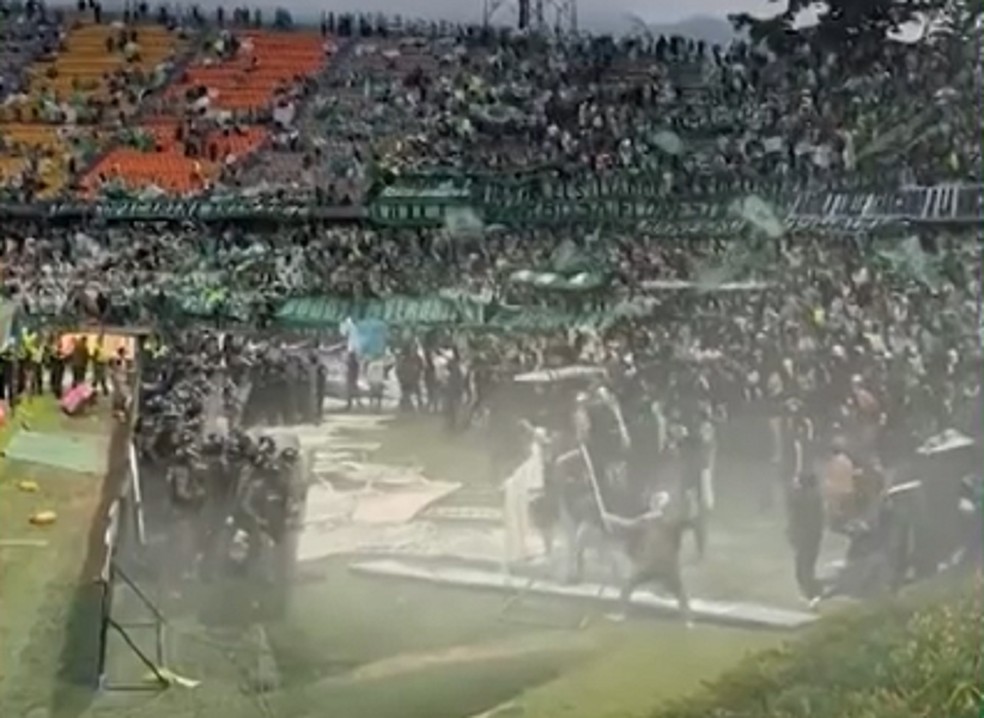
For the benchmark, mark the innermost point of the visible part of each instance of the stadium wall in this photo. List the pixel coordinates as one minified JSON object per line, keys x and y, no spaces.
{"x":85,"y":638}
{"x":83,"y":659}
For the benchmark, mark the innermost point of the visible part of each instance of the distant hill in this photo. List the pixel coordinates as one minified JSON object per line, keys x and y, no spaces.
{"x":713,"y":30}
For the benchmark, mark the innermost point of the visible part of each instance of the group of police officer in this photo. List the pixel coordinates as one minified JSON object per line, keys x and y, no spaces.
{"x":288,"y":386}
{"x":229,"y":495}
{"x":234,"y":495}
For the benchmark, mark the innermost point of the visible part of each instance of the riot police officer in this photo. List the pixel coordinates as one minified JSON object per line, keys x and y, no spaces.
{"x":185,"y":479}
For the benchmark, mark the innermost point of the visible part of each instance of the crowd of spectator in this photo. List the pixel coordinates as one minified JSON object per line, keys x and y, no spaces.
{"x":404,"y":97}
{"x":375,"y":96}
{"x":708,"y":117}
{"x":815,"y":296}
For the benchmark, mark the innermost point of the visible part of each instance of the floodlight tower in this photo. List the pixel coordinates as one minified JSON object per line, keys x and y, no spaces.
{"x":491,"y":7}
{"x":564,"y":12}
{"x":533,"y":14}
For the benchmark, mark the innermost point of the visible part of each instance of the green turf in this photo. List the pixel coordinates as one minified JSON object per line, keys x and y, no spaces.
{"x":341,"y":623}
{"x":640,"y":667}
{"x":456,"y":691}
{"x":79,"y":452}
{"x":39,"y":586}
{"x":340,"y":626}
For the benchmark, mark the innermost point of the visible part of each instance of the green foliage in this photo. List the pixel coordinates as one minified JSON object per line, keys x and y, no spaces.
{"x":913,"y":658}
{"x":282,"y":19}
{"x":840,"y":23}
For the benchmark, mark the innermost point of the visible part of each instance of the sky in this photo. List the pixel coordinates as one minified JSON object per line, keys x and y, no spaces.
{"x":600,"y":14}
{"x":594,"y":15}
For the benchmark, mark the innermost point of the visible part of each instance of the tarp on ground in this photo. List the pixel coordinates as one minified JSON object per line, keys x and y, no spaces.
{"x":83,"y":453}
{"x":329,"y":312}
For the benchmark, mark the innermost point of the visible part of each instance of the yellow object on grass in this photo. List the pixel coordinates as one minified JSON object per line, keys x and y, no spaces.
{"x":43,"y":518}
{"x":173,"y":679}
{"x":30,"y":487}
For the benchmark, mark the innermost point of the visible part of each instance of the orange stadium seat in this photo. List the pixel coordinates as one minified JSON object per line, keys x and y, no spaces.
{"x":170,"y":169}
{"x":252,"y":79}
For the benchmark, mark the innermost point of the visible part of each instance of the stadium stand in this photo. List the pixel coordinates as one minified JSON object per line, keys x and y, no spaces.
{"x":98,"y":76}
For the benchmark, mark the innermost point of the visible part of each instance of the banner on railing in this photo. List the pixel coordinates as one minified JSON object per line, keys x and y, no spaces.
{"x":548,"y":199}
{"x":945,"y":203}
{"x":630,"y":199}
{"x":529,"y":199}
{"x":203,"y":210}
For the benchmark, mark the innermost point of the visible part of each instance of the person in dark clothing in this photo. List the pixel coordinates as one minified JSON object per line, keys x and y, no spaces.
{"x":100,"y":365}
{"x":599,"y":426}
{"x":7,"y":374}
{"x":453,"y":393}
{"x":692,"y":488}
{"x":55,"y":361}
{"x":806,"y":523}
{"x":430,"y":381}
{"x":293,"y":378}
{"x":408,"y":373}
{"x":351,"y":380}
{"x":321,"y":388}
{"x":481,"y":381}
{"x":80,"y":361}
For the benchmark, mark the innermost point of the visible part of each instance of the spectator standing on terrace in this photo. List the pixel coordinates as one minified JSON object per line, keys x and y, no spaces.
{"x":806,"y":528}
{"x":454,"y":390}
{"x":376,"y":370}
{"x":119,"y":377}
{"x":409,"y":369}
{"x":351,"y":380}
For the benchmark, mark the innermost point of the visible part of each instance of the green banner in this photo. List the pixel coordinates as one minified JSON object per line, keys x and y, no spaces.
{"x":328,"y":312}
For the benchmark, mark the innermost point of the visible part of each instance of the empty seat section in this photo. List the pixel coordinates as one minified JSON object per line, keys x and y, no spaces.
{"x":170,"y":171}
{"x":167,"y":165}
{"x":266,"y":63}
{"x":94,"y":58}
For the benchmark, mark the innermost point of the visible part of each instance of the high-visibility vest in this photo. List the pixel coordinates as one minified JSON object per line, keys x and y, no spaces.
{"x":154,"y":348}
{"x":27,"y":346}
